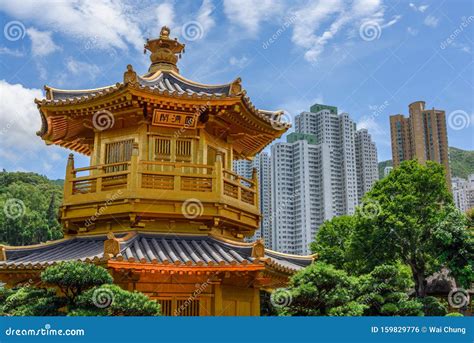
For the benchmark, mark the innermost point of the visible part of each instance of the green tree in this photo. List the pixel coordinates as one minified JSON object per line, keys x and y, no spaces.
{"x":74,"y":277}
{"x":413,"y":204}
{"x":320,"y":290}
{"x":384,"y":291}
{"x":332,"y":240}
{"x":111,"y":300}
{"x":31,"y":301}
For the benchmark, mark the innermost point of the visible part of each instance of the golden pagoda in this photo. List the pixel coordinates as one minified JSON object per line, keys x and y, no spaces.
{"x":159,"y":205}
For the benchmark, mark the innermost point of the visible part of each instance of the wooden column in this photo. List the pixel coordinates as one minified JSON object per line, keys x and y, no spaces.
{"x":70,"y":175}
{"x":217,"y":303}
{"x":256,"y":302}
{"x":133,"y":181}
{"x":219,"y":175}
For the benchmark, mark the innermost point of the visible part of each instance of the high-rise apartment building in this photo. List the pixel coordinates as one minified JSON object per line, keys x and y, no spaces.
{"x":463,"y":192}
{"x":315,"y":175}
{"x":338,"y":132}
{"x":261,"y":163}
{"x":366,"y":162}
{"x":302,"y":196}
{"x":421,"y":136}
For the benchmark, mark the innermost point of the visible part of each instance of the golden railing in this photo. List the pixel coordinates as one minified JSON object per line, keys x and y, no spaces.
{"x":146,"y":176}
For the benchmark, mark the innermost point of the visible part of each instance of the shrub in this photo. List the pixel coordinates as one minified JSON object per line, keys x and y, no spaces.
{"x":74,"y":277}
{"x":30,"y":301}
{"x":111,"y":300}
{"x":433,"y":307}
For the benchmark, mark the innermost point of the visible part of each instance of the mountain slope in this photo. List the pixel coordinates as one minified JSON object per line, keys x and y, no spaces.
{"x":461,"y":161}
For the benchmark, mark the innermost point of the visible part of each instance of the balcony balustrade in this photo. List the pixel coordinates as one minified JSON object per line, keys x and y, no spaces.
{"x":173,"y":182}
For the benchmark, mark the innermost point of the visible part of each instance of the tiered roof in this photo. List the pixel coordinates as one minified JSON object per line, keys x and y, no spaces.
{"x":158,"y":250}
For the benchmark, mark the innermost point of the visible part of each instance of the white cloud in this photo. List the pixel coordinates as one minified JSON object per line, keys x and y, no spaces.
{"x":431,"y":21}
{"x":462,"y":47}
{"x":204,"y":15}
{"x":248,"y":14}
{"x":335,"y":16}
{"x":421,"y":8}
{"x":165,"y":15}
{"x":378,"y":133}
{"x":82,"y":68}
{"x":42,"y":43}
{"x":239,"y":62}
{"x":110,"y":23}
{"x":412,"y":31}
{"x":19,"y":117}
{"x":22,"y":149}
{"x":7,"y":51}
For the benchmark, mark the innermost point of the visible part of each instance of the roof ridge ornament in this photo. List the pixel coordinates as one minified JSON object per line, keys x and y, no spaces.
{"x":165,"y":51}
{"x":130,"y":76}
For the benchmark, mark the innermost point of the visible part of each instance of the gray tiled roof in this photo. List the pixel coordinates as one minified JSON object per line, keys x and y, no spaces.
{"x":163,"y":81}
{"x":149,"y":248}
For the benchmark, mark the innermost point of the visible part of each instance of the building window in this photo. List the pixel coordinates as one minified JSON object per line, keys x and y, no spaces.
{"x":183,"y":150}
{"x":163,"y":149}
{"x":118,"y":152}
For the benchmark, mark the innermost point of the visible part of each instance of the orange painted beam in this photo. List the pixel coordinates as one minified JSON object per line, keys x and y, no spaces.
{"x":183,"y":268}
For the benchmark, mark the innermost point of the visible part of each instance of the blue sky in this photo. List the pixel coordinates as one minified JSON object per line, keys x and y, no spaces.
{"x":369,"y":58}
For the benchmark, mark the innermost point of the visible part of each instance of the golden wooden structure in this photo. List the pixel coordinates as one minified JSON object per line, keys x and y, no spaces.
{"x":159,"y":197}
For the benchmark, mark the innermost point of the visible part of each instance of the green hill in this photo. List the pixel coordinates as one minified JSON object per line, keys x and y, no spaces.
{"x":30,"y":206}
{"x":461,"y":161}
{"x":382,"y":166}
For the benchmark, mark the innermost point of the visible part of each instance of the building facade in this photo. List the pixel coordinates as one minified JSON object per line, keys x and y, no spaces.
{"x":387,"y":170}
{"x":338,"y":132}
{"x":302,"y":194}
{"x":366,"y":162}
{"x":422,"y":136}
{"x":261,"y":164}
{"x":316,"y":175}
{"x":463,"y":192}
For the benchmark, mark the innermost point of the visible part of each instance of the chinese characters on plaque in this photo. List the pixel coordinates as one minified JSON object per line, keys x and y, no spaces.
{"x":174,"y":119}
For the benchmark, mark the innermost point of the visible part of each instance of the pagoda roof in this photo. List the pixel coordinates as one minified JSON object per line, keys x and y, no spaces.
{"x":163,"y":82}
{"x":150,"y":248}
{"x":167,"y":83}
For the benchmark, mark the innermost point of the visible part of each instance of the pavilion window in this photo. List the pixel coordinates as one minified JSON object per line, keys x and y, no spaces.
{"x":183,"y":150}
{"x":118,"y":152}
{"x":166,"y":306}
{"x":163,"y":149}
{"x":187,"y":308}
